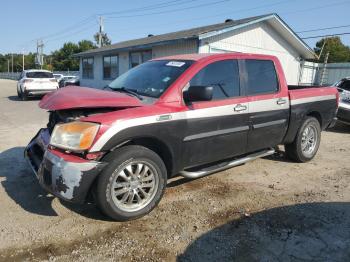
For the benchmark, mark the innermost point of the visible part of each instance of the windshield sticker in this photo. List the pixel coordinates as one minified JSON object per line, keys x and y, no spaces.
{"x":175,"y":63}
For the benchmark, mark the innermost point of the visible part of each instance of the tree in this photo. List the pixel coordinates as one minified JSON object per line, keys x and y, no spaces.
{"x":105,"y":39}
{"x":338,"y":52}
{"x":63,"y":60}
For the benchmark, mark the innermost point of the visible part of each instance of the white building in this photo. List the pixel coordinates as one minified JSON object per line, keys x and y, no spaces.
{"x":267,"y":34}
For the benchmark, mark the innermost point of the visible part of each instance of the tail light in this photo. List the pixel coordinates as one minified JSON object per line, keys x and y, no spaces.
{"x":28,"y":80}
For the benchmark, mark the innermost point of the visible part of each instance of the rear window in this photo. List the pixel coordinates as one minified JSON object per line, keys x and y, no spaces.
{"x":262,"y":77}
{"x":39,"y":75}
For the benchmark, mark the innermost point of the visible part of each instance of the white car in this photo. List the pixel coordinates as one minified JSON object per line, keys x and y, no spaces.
{"x":35,"y":83}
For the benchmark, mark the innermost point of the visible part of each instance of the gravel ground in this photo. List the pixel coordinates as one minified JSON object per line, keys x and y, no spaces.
{"x":267,"y":210}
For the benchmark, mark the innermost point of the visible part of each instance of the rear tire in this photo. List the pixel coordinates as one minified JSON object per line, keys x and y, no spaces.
{"x":24,"y":96}
{"x":306,"y":142}
{"x":132,"y":184}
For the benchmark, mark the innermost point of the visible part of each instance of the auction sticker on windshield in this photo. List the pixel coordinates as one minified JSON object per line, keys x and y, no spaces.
{"x":175,"y":63}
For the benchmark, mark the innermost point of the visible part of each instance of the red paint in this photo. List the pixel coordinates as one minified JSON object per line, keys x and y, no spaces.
{"x":68,"y":157}
{"x":171,"y":101}
{"x":83,"y":97}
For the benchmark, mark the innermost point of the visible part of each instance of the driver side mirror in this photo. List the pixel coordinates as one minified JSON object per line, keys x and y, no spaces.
{"x":198,"y":93}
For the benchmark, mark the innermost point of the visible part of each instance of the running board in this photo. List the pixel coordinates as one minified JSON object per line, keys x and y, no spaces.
{"x":236,"y":162}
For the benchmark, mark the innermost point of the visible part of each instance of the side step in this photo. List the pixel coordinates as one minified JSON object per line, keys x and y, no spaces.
{"x":236,"y":162}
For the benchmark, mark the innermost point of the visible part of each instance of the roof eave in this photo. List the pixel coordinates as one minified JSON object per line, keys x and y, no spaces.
{"x":307,"y":52}
{"x":129,"y":48}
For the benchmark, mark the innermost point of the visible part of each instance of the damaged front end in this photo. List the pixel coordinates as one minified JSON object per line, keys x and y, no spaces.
{"x":64,"y":175}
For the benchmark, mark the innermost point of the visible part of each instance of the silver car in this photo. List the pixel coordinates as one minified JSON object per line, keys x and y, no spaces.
{"x":344,"y":103}
{"x":35,"y":83}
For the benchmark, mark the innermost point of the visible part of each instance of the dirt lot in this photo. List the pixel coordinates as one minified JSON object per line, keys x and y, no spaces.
{"x":267,"y":210}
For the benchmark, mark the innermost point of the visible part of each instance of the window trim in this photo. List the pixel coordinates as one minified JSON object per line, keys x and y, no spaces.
{"x":82,"y":67}
{"x":140,"y":51}
{"x":245,"y":78}
{"x":103,"y":67}
{"x":240,"y":80}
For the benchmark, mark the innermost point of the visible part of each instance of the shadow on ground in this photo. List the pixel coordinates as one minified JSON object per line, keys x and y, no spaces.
{"x":21,"y":184}
{"x":303,"y":232}
{"x":15,"y":98}
{"x":340,"y":128}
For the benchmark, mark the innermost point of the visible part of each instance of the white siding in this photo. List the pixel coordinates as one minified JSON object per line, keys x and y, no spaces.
{"x":258,"y":38}
{"x":183,"y":47}
{"x":98,"y":81}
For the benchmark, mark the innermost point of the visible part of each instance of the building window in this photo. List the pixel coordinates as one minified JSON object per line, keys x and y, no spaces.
{"x":137,"y":58}
{"x":88,"y":67}
{"x":110,"y":67}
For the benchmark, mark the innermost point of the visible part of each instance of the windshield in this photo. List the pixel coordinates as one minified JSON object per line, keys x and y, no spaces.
{"x":39,"y":75}
{"x":151,"y":78}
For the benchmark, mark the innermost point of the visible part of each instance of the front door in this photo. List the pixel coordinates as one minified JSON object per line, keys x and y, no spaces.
{"x":216,"y":129}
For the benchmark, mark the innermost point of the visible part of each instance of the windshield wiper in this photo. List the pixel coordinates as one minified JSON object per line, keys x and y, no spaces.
{"x":129,"y":91}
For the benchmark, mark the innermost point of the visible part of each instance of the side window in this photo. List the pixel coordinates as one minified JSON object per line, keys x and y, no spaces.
{"x":262,"y":77}
{"x":345,"y":85}
{"x":223,"y":76}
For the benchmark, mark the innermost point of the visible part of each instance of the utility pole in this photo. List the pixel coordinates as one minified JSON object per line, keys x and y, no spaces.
{"x":39,"y":53}
{"x":23,"y":60}
{"x":8,"y":65}
{"x":12,"y":63}
{"x":100,"y":22}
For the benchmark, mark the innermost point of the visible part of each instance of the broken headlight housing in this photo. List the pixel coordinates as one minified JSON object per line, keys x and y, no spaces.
{"x":74,"y":136}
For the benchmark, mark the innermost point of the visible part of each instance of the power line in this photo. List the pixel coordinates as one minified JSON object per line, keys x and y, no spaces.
{"x":322,"y":29}
{"x":319,"y":36}
{"x":172,"y":10}
{"x":316,"y":7}
{"x":149,"y":7}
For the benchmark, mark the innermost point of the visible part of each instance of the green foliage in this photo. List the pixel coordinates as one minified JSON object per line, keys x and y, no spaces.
{"x":59,"y":60}
{"x":105,"y":39}
{"x":63,"y":60}
{"x":338,"y":52}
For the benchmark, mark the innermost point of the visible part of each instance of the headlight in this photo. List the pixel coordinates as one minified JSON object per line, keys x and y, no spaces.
{"x":75,"y":136}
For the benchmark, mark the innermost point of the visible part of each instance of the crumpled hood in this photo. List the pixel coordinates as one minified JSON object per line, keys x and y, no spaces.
{"x":85,"y":97}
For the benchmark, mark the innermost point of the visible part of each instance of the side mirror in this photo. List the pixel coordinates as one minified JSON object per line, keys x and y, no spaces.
{"x":198,"y":93}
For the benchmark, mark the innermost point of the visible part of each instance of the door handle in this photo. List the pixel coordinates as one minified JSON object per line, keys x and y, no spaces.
{"x":281,"y":101}
{"x":239,"y":108}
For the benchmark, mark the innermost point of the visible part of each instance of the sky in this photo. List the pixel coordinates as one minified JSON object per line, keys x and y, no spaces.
{"x":57,"y":22}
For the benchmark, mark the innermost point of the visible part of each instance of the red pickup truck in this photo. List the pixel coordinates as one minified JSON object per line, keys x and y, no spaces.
{"x":189,"y":115}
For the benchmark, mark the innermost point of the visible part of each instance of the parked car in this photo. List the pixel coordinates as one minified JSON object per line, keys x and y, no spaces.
{"x":58,"y":77}
{"x":188,"y":115}
{"x":69,"y":81}
{"x":344,"y":104}
{"x":35,"y":83}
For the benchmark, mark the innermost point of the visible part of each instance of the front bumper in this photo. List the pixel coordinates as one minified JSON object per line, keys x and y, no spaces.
{"x":66,"y":176}
{"x":37,"y":92}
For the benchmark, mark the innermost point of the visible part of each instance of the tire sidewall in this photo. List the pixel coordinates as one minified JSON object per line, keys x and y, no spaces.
{"x":314,"y":122}
{"x":118,"y":159}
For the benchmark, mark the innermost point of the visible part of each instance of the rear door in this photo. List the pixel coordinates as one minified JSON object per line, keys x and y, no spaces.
{"x":268,"y":104}
{"x":216,"y":129}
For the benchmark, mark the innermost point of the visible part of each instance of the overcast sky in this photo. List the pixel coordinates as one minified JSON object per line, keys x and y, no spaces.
{"x":57,"y":22}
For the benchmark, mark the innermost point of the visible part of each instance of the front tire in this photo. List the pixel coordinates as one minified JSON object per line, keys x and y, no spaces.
{"x":306,"y":142}
{"x":132,"y":184}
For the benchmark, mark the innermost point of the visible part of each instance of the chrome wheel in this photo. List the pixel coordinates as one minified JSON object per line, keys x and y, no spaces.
{"x":134,"y":186}
{"x":309,"y":140}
